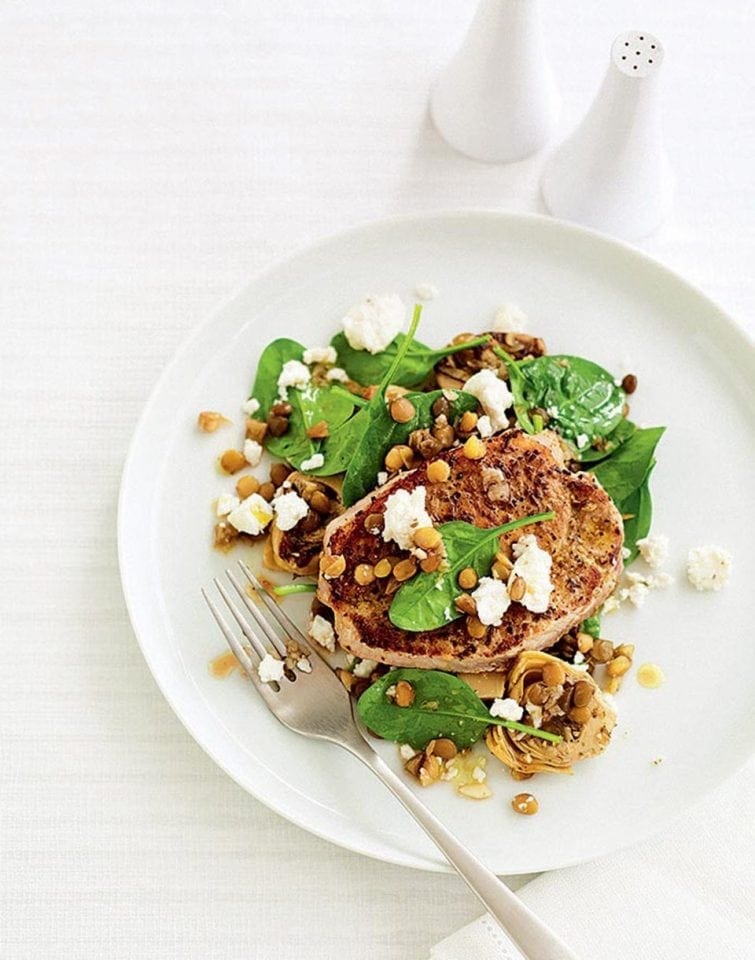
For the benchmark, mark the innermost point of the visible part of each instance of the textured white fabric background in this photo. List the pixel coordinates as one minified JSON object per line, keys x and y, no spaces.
{"x":153,"y":154}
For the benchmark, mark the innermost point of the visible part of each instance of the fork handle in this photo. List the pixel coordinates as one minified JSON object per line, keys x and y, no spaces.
{"x":531,"y":935}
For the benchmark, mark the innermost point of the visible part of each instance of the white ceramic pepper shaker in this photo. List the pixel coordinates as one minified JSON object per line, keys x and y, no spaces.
{"x":613,"y":173}
{"x":497,"y":99}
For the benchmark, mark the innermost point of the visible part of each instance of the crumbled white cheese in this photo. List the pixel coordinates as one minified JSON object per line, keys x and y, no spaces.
{"x":579,"y":658}
{"x":612,"y":603}
{"x":450,"y":395}
{"x":509,"y":318}
{"x":535,"y":713}
{"x":289,"y":509}
{"x":533,"y":565}
{"x":582,"y":441}
{"x":405,"y":513}
{"x":270,"y":669}
{"x":250,"y":406}
{"x":364,"y":669}
{"x":654,"y":550}
{"x":507,"y":709}
{"x":708,"y":568}
{"x":226,"y":503}
{"x":426,"y":291}
{"x":479,"y":774}
{"x":312,"y":463}
{"x":251,"y":515}
{"x":252,"y":452}
{"x":304,"y":665}
{"x":406,"y":752}
{"x":636,"y":593}
{"x":484,"y":426}
{"x":660,"y":581}
{"x":293,"y":374}
{"x":373,"y":323}
{"x":322,"y":632}
{"x":338,"y":374}
{"x":320,"y":355}
{"x":492,"y":600}
{"x":382,"y":477}
{"x":493,"y":394}
{"x":626,"y":553}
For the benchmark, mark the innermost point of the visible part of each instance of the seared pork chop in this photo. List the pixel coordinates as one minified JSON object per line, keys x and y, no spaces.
{"x":518,"y":476}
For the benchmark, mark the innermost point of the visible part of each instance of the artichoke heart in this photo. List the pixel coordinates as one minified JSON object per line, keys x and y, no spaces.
{"x":586,"y":729}
{"x":298,"y":550}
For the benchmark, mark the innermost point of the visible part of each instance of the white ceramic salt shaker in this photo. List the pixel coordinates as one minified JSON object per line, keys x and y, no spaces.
{"x":613,"y":173}
{"x":497,"y":99}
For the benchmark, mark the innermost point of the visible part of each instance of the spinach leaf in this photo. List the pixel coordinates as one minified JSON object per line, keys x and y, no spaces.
{"x":443,"y":706}
{"x":580,"y":397}
{"x":637,"y":509}
{"x":275,"y":354}
{"x":625,"y":470}
{"x":624,"y":430}
{"x":416,"y":364}
{"x":366,"y":459}
{"x":426,"y":602}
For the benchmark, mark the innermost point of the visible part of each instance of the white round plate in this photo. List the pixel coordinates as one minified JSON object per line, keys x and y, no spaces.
{"x":586,"y":295}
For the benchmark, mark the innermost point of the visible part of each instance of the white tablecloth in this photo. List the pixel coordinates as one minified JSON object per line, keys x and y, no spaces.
{"x":153,"y":154}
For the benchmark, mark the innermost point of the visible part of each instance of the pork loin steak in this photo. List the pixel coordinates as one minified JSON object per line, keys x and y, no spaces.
{"x":519,"y":475}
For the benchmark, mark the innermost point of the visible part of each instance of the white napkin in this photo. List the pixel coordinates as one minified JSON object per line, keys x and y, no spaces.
{"x":686,"y":896}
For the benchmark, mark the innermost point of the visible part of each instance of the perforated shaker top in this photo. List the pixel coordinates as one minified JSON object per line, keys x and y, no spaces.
{"x":637,"y":53}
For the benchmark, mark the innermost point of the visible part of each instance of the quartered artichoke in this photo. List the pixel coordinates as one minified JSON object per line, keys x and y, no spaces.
{"x":573,"y":707}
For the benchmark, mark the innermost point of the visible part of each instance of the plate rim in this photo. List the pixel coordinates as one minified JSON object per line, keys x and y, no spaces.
{"x":386,"y":854}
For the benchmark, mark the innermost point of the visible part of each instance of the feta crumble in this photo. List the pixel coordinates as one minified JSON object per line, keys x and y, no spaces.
{"x":373,"y":323}
{"x":225,"y":504}
{"x":579,"y":658}
{"x":293,"y":374}
{"x":322,"y":632}
{"x":708,"y":568}
{"x":250,"y":406}
{"x":426,"y":291}
{"x":252,"y":452}
{"x":492,"y":600}
{"x":582,"y":441}
{"x":338,"y":374}
{"x":493,"y":394}
{"x":479,"y":774}
{"x":612,"y":604}
{"x":533,"y":565}
{"x":654,"y":550}
{"x":312,"y":463}
{"x":405,"y":513}
{"x":507,"y":709}
{"x":289,"y":509}
{"x":270,"y":669}
{"x":406,"y":752}
{"x":304,"y":665}
{"x":251,"y":515}
{"x":509,"y":318}
{"x":484,"y":426}
{"x":364,"y":669}
{"x":320,"y":355}
{"x":382,"y":477}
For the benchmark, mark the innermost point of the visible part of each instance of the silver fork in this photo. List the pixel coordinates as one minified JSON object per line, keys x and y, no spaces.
{"x":316,"y":704}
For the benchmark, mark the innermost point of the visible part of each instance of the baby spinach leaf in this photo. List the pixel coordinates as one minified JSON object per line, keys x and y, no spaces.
{"x":637,"y":510}
{"x":622,"y":473}
{"x":443,"y":706}
{"x":367,"y":458}
{"x":623,"y":431}
{"x":275,"y":354}
{"x":426,"y":602}
{"x":416,"y":364}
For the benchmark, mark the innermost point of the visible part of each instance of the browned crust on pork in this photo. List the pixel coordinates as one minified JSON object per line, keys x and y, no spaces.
{"x":585,"y":540}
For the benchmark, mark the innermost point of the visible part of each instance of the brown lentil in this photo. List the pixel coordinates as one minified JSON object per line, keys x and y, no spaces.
{"x":255,"y":430}
{"x":585,"y":642}
{"x":247,"y":485}
{"x":602,"y":651}
{"x":444,"y":748}
{"x":525,"y":804}
{"x":404,"y":694}
{"x":474,"y":448}
{"x":465,"y":604}
{"x":279,"y":473}
{"x":402,"y":410}
{"x":364,"y":574}
{"x":580,"y":715}
{"x":468,"y":421}
{"x":398,"y":457}
{"x":430,"y":564}
{"x":538,"y":693}
{"x":625,"y":650}
{"x":629,"y":383}
{"x":443,"y":432}
{"x":373,"y":522}
{"x":282,"y":408}
{"x":320,"y":503}
{"x":517,"y":589}
{"x":332,"y":566}
{"x":225,"y":534}
{"x":438,"y":471}
{"x":267,"y":491}
{"x":475,"y":628}
{"x":382,"y":568}
{"x":425,"y":444}
{"x":319,"y":430}
{"x":441,"y":407}
{"x":405,"y":569}
{"x":467,"y":578}
{"x":210,"y":420}
{"x":582,"y":693}
{"x":553,"y":673}
{"x":427,"y":538}
{"x":618,"y":667}
{"x":232,"y":461}
{"x":277,"y":425}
